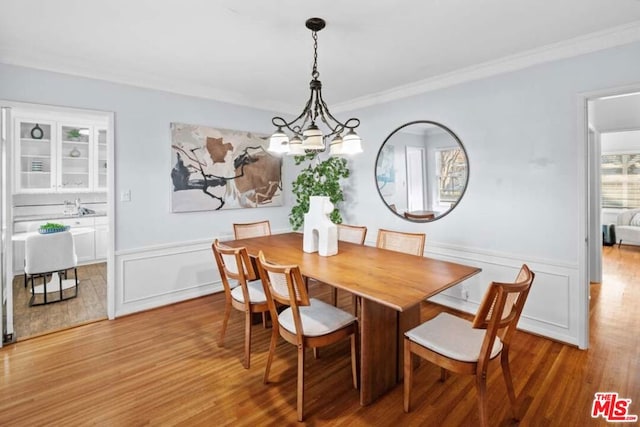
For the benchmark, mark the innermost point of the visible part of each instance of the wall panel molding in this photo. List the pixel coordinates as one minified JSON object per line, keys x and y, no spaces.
{"x":161,"y":275}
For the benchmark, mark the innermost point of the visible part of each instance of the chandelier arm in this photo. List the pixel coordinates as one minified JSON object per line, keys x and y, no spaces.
{"x":280,"y":122}
{"x":345,"y":125}
{"x":335,"y":129}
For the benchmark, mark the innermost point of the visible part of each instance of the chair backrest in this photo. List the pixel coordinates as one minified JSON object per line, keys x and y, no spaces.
{"x":45,"y":253}
{"x":422,"y":216}
{"x":501,"y":308}
{"x":352,"y":233}
{"x":233,"y":263}
{"x":252,"y":229}
{"x":283,"y":284}
{"x":409,"y":243}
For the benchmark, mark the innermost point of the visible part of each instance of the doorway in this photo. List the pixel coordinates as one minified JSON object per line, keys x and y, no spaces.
{"x":78,"y":147}
{"x":611,"y":116}
{"x":416,"y":178}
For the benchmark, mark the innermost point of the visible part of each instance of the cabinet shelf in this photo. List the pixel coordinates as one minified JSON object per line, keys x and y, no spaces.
{"x":39,"y":141}
{"x":65,"y":141}
{"x":49,"y":165}
{"x":35,"y":156}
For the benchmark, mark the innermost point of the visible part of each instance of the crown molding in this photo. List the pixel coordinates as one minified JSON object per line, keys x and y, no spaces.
{"x":600,"y":40}
{"x":616,"y":36}
{"x":73,"y":67}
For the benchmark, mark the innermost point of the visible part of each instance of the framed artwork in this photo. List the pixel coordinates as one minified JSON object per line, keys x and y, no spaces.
{"x":215,"y":169}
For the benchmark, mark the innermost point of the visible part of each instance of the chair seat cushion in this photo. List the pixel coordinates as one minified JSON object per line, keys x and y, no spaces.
{"x":256,"y":292}
{"x":318,"y":318}
{"x":452,"y":337}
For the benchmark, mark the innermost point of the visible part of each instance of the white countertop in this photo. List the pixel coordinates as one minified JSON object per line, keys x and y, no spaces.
{"x":41,"y":217}
{"x":21,"y":237}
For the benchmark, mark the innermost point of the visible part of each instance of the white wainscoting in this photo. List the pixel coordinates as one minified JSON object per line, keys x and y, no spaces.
{"x":549,"y":310}
{"x":157,"y":276}
{"x":153,"y":277}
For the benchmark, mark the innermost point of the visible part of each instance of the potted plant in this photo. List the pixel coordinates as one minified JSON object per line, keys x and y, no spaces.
{"x":74,"y":134}
{"x":319,"y":178}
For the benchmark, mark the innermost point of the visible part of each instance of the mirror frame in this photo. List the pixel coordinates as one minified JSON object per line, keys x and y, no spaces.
{"x":454,"y":136}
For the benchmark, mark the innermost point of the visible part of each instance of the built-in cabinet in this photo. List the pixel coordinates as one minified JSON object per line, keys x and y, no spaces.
{"x":63,"y":155}
{"x":90,"y":247}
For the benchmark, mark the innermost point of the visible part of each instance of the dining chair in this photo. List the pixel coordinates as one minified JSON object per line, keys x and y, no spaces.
{"x":50,"y":257}
{"x":245,"y":293}
{"x":352,"y":233}
{"x":252,"y":229}
{"x":461,"y":346}
{"x":409,"y":243}
{"x":306,"y":322}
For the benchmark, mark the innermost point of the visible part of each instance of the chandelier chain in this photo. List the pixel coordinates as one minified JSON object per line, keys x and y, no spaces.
{"x":315,"y":74}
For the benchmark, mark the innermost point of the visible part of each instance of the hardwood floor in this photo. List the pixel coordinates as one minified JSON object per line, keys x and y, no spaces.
{"x":89,"y":306}
{"x":163,"y":367}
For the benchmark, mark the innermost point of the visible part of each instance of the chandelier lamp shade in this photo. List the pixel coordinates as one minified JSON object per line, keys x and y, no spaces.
{"x":307,"y":135}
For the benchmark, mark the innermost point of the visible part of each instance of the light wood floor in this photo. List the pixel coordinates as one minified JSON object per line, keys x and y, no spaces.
{"x":163,"y":367}
{"x":89,"y":306}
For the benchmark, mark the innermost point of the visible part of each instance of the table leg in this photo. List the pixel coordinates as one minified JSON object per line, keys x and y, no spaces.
{"x":378,"y":353}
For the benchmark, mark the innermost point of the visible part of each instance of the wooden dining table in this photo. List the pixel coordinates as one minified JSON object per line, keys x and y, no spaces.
{"x":391,"y":286}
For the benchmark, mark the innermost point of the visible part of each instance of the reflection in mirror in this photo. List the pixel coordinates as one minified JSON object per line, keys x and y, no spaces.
{"x":422,"y":171}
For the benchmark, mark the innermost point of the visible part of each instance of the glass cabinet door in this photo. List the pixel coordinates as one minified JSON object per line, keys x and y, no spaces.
{"x":100,"y":182}
{"x":75,"y":152}
{"x":35,"y":154}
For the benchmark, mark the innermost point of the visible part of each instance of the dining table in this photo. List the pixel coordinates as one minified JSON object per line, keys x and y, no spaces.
{"x":391,"y":285}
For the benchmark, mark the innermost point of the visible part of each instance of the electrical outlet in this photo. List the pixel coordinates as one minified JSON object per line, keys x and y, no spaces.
{"x":125,"y":196}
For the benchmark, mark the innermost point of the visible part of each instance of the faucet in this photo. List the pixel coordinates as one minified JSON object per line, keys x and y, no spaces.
{"x":68,"y":207}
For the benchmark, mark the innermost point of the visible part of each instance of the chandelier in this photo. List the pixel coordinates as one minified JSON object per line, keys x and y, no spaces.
{"x":307,"y":136}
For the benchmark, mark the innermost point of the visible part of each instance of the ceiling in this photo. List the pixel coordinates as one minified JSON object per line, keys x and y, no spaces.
{"x":259,"y":53}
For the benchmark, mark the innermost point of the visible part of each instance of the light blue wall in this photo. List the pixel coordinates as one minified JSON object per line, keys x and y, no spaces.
{"x":142,"y":152}
{"x":521,"y":133}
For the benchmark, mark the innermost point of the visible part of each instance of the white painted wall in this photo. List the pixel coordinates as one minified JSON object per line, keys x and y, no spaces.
{"x":525,"y":201}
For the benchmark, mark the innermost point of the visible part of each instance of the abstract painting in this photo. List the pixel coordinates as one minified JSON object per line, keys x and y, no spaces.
{"x":217,"y":169}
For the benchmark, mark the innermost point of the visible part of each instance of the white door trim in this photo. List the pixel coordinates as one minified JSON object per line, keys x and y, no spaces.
{"x":588,"y":204}
{"x":110,"y":187}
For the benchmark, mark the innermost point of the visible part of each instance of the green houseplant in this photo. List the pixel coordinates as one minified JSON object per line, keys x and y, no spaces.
{"x":73,"y":134}
{"x":319,"y":178}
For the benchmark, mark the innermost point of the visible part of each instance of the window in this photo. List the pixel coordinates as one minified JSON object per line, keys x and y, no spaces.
{"x":451,"y":167}
{"x":620,"y":180}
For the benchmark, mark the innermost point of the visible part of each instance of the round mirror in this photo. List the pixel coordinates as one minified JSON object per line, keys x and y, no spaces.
{"x":422,"y":171}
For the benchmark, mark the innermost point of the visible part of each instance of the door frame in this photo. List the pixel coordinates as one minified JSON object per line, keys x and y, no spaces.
{"x":588,"y":175}
{"x":6,"y":218}
{"x":9,"y":174}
